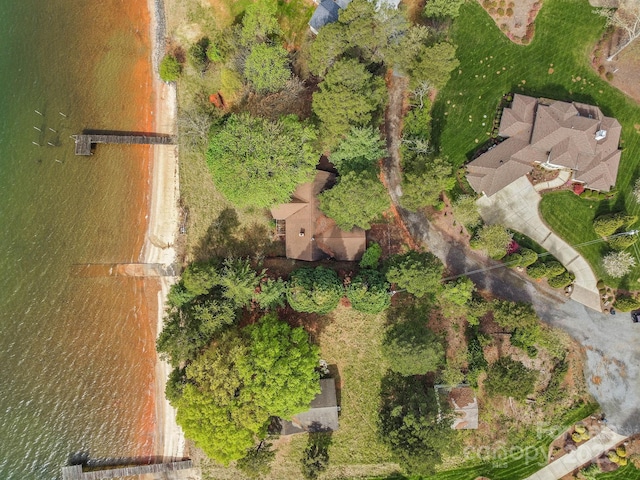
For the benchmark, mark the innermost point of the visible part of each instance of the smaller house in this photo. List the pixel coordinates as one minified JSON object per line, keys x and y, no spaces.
{"x":309,"y":234}
{"x":464,"y":403}
{"x":322,"y":415}
{"x":327,"y":11}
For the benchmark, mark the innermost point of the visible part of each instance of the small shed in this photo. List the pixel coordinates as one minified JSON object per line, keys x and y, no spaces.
{"x":322,"y":415}
{"x":464,"y":403}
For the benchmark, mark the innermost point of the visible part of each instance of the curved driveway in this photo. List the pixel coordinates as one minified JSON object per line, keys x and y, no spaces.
{"x":516,"y":207}
{"x":611,"y":343}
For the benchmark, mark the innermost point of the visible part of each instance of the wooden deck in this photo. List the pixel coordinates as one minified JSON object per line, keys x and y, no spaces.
{"x":84,"y":142}
{"x":75,"y":472}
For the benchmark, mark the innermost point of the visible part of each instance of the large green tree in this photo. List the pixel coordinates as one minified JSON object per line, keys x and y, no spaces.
{"x":259,"y":22}
{"x":411,"y":348}
{"x":419,"y":273}
{"x":368,"y":292}
{"x":257,"y":162}
{"x":348,"y":96}
{"x":232,"y":390}
{"x":355,"y":201}
{"x":359,"y":151}
{"x":424,"y":189}
{"x":314,"y":290}
{"x":266,"y":68}
{"x":411,"y":423}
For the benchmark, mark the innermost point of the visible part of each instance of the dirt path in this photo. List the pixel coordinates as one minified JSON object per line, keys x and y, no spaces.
{"x":612,"y":369}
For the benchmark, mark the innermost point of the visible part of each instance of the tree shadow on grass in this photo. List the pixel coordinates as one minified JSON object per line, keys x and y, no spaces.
{"x":315,"y":458}
{"x":226,"y":238}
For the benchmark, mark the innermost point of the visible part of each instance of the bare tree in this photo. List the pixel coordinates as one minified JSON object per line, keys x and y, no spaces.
{"x":193,"y":127}
{"x":423,"y":89}
{"x":626,"y":18}
{"x":618,"y":264}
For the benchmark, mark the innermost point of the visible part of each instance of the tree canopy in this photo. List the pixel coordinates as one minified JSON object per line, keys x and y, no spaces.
{"x":424,"y":189}
{"x":495,"y":239}
{"x":510,"y":378}
{"x":257,"y":162}
{"x":411,"y":348}
{"x":412,"y":425}
{"x":314,"y":290}
{"x":356,"y":201}
{"x":419,"y":273}
{"x":359,"y":151}
{"x":368,"y":292}
{"x":232,"y":389}
{"x":443,"y":8}
{"x":266,"y":68}
{"x":348,"y":96}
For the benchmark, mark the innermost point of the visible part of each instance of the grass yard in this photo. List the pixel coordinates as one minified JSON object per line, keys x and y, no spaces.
{"x":555,"y":65}
{"x":625,"y":473}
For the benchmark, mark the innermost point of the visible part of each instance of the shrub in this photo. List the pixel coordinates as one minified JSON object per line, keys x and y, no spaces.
{"x":314,"y":290}
{"x":555,"y":268}
{"x":626,"y":304}
{"x":537,"y":270}
{"x":170,"y":68}
{"x":613,"y":456}
{"x":606,"y":225}
{"x":576,"y":437}
{"x":513,"y":260}
{"x":509,"y":12}
{"x":371,"y":256}
{"x":601,"y":69}
{"x":621,"y":451}
{"x":510,"y":378}
{"x":562,"y":280}
{"x":529,"y":257}
{"x":368,"y":292}
{"x":609,"y":76}
{"x":465,"y":211}
{"x":500,"y":11}
{"x":622,"y":242}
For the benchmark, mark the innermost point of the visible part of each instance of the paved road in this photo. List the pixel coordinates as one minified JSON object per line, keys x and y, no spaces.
{"x":612,"y":343}
{"x":604,"y":441}
{"x":516,"y":207}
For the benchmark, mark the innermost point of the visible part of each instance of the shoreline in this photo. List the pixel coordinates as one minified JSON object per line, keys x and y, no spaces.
{"x":162,"y":224}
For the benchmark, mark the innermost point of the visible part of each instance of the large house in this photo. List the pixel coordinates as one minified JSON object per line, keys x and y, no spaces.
{"x":556,"y":135}
{"x":309,"y":234}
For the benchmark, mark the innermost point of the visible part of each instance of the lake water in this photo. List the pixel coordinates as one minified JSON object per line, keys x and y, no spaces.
{"x":77,"y":353}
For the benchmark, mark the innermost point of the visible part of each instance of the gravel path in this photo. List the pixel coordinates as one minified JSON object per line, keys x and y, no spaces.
{"x":612,"y":369}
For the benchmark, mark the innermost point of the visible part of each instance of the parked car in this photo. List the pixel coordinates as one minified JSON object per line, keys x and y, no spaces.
{"x":635,"y":316}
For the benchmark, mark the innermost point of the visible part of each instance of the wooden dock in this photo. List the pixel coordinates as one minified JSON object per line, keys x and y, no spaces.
{"x":75,"y":472}
{"x":84,"y":142}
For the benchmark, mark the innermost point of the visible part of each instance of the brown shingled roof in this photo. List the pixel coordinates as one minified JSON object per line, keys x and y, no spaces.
{"x":309,"y":234}
{"x":556,"y":135}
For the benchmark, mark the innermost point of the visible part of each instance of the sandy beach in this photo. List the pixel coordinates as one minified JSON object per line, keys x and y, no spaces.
{"x":163,"y":223}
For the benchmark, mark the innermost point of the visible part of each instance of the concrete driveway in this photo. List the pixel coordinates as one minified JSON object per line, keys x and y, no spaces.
{"x":516,"y":207}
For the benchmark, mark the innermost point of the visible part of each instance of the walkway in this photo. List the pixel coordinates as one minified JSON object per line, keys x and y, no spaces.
{"x":590,"y":450}
{"x":563,"y":177}
{"x":516,"y":207}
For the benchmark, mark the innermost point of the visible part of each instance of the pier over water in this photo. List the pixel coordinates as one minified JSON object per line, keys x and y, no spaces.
{"x":75,"y":472}
{"x":84,"y":142}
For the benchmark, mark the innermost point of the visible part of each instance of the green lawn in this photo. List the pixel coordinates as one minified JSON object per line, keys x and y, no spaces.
{"x":555,"y":65}
{"x":625,"y":473}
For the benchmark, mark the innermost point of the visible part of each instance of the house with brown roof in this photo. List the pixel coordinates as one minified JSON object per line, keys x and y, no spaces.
{"x":309,"y":234}
{"x":556,"y":135}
